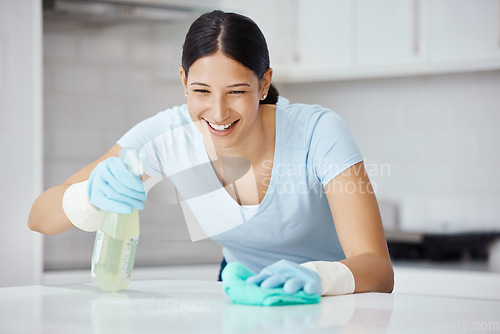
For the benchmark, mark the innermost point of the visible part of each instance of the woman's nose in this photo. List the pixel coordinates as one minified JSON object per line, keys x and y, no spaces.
{"x":221,"y":110}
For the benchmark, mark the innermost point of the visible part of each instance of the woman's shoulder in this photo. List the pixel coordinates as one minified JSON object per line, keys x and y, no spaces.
{"x":169,"y":118}
{"x":301,"y":122}
{"x":308,"y":116}
{"x":304,"y":111}
{"x":162,"y":123}
{"x":176,"y":115}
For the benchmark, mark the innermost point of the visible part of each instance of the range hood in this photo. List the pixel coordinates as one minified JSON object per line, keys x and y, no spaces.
{"x":118,"y":11}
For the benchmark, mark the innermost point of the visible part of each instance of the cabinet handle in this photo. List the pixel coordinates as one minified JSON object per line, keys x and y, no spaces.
{"x":416,"y":27}
{"x":295,"y":31}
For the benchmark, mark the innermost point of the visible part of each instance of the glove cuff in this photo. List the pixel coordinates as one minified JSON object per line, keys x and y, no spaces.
{"x":336,"y":277}
{"x":77,"y":207}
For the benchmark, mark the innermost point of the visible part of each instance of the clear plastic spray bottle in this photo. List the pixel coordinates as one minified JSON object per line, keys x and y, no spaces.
{"x":116,"y":240}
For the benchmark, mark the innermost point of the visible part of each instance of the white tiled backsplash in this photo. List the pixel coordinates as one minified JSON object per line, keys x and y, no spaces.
{"x":430,"y":142}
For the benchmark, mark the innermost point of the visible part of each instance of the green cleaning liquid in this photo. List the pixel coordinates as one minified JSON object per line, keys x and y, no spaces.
{"x":114,"y":251}
{"x":116,"y":238}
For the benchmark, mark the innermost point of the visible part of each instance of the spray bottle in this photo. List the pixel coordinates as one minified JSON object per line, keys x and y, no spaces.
{"x":116,"y":240}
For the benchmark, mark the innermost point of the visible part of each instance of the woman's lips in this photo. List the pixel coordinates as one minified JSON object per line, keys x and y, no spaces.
{"x":223,"y":132}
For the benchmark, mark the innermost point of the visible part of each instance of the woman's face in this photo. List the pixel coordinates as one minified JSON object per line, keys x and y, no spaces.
{"x":223,"y":98}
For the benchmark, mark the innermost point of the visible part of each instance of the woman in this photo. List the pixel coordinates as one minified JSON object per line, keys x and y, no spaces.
{"x":310,"y":218}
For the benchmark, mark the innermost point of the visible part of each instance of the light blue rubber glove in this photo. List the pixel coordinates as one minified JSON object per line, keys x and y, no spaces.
{"x":291,"y":276}
{"x":112,"y":187}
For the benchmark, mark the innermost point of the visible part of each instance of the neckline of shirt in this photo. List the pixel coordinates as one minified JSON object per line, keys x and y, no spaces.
{"x":280,"y":107}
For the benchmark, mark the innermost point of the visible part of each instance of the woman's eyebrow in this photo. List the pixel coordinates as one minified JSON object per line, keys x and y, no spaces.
{"x":230,"y":86}
{"x":239,"y":85}
{"x":200,"y":84}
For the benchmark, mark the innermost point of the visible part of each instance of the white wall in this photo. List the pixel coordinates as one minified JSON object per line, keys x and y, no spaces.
{"x":439,"y":136}
{"x":20,"y":139}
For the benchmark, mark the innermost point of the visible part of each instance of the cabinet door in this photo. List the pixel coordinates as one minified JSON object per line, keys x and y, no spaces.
{"x":321,"y":35}
{"x":387,"y":32}
{"x":463,"y":29}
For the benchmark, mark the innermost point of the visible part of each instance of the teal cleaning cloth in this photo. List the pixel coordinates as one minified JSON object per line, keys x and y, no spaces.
{"x":240,"y":291}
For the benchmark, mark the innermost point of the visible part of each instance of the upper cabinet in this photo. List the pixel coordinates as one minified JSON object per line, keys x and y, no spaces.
{"x":320,"y":33}
{"x":463,"y":30}
{"x":314,"y":40}
{"x":303,"y":36}
{"x":387,"y":32}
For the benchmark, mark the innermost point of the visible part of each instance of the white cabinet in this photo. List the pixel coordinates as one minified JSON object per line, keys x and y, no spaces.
{"x":321,"y":31}
{"x":463,"y":30}
{"x":387,"y":32}
{"x":306,"y":39}
{"x":411,"y":37}
{"x":314,"y":40}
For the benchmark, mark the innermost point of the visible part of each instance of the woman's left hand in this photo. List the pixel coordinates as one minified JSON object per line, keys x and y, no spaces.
{"x":291,"y":276}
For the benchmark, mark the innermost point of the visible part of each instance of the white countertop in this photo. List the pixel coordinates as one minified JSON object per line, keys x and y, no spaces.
{"x":189,"y":306}
{"x":468,"y":279}
{"x":451,"y":279}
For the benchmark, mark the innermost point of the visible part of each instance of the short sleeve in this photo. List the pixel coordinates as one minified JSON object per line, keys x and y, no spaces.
{"x":140,"y":137}
{"x":152,"y":135}
{"x":332,"y":148}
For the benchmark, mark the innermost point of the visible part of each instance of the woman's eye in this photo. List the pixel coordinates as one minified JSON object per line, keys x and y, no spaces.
{"x":202,"y":91}
{"x":238,"y":92}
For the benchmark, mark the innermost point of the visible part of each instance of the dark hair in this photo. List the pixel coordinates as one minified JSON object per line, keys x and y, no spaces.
{"x":235,"y":35}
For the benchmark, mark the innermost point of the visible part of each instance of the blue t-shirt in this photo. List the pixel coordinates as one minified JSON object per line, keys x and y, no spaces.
{"x":293,"y":221}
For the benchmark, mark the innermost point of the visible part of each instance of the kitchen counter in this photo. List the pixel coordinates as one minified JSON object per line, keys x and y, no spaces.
{"x":464,"y":279}
{"x":191,"y":306}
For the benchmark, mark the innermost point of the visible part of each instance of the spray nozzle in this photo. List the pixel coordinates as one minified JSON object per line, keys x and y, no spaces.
{"x":134,"y":161}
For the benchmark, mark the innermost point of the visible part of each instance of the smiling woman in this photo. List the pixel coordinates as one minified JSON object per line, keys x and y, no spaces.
{"x":272,"y":194}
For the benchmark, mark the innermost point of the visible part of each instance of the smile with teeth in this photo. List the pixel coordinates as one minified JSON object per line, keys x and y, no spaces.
{"x":222,"y":127}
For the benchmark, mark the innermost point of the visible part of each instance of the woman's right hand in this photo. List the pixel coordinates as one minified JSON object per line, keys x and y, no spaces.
{"x":112,"y":187}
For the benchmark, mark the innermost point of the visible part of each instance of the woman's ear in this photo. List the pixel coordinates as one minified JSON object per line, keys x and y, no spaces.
{"x":183,"y":78}
{"x":266,"y":81}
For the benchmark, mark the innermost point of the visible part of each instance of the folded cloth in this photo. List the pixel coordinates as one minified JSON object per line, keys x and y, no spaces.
{"x":240,"y":291}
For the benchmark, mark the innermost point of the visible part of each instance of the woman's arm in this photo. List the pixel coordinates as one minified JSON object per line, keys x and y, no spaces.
{"x":47,"y":215}
{"x":359,"y":227}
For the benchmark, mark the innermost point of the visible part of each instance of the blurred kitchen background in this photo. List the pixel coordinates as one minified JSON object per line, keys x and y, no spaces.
{"x":417,"y":81}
